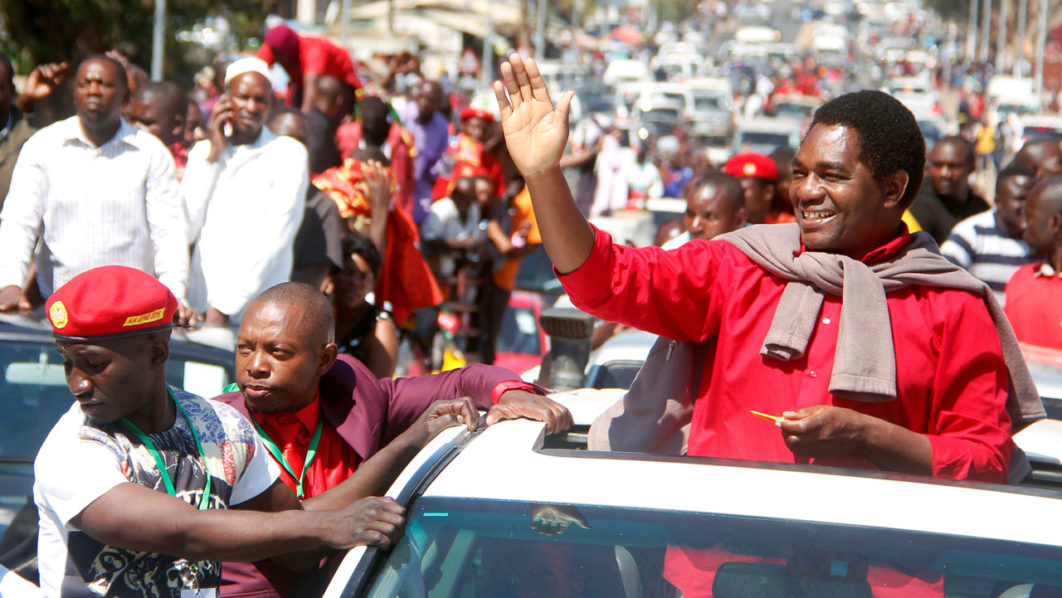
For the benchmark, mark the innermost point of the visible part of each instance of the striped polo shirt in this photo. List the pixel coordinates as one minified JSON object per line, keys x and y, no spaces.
{"x":983,"y":246}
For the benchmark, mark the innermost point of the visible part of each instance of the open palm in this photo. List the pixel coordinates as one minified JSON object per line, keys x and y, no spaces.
{"x":535,"y":131}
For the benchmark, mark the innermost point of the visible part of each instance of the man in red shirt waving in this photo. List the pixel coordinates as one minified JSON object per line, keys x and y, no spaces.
{"x":866,"y":345}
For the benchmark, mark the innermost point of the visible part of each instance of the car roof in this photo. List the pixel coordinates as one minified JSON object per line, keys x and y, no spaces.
{"x":520,"y":470}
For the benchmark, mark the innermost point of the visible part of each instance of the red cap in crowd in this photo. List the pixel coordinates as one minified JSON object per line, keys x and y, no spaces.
{"x":464,"y":169}
{"x":110,"y":302}
{"x":471,"y":112}
{"x":751,"y":165}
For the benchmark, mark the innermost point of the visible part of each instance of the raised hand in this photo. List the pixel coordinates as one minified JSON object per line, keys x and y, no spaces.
{"x":42,"y":83}
{"x":535,"y":131}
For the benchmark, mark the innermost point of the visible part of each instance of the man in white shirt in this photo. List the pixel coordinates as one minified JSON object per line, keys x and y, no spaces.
{"x":245,"y":191}
{"x":95,"y":191}
{"x":453,"y":226}
{"x":142,"y":489}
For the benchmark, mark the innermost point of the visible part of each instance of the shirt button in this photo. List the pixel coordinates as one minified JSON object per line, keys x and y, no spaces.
{"x":825,"y":320}
{"x":812,"y":373}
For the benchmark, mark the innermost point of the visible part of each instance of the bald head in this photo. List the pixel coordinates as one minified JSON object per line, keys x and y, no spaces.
{"x":317,"y":319}
{"x":160,"y":108}
{"x":1043,"y":155}
{"x":328,"y":95}
{"x":1043,"y":230}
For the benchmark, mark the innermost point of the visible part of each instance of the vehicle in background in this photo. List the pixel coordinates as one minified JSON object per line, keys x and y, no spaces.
{"x":623,"y":70}
{"x":1011,"y":94}
{"x":757,"y":34}
{"x":764,"y":135}
{"x":34,"y":395}
{"x":676,"y":66}
{"x":522,"y":342}
{"x":616,"y":362}
{"x":711,"y":110}
{"x":917,"y":93}
{"x":794,"y":106}
{"x":1040,"y":126}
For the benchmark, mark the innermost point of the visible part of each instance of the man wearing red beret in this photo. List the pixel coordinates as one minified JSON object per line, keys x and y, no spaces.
{"x":757,"y":174}
{"x":137,"y":471}
{"x":326,"y":418}
{"x":470,"y":147}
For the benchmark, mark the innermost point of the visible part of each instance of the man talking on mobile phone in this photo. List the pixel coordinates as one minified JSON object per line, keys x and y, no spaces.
{"x":244,"y":190}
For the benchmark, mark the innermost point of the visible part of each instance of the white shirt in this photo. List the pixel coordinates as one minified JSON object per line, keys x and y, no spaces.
{"x":116,"y":204}
{"x":79,"y":462}
{"x":243,"y":213}
{"x":444,"y":222}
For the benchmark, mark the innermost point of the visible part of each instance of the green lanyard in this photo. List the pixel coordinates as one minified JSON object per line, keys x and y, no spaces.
{"x":204,"y":501}
{"x":279,"y":456}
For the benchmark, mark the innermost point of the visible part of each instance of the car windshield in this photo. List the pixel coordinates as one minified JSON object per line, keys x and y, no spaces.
{"x":765,"y":138}
{"x":482,"y":548}
{"x":707,"y":102}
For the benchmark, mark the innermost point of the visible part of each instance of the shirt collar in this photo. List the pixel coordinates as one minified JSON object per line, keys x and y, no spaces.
{"x":306,"y":416}
{"x":1045,"y":270}
{"x":7,"y":125}
{"x":878,"y":254}
{"x":126,"y":133}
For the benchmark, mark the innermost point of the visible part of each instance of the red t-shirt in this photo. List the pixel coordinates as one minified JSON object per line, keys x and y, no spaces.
{"x":1034,"y":305}
{"x":292,"y":432}
{"x":951,"y":378}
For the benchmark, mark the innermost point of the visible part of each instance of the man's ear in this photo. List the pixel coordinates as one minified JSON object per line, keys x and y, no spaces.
{"x":159,"y":348}
{"x":742,"y":216}
{"x":328,"y":357}
{"x":895,"y":185}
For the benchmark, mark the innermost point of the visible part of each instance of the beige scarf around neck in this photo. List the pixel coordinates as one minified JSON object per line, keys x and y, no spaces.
{"x":865,"y":362}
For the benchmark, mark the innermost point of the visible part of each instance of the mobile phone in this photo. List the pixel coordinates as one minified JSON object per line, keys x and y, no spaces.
{"x":226,"y":127}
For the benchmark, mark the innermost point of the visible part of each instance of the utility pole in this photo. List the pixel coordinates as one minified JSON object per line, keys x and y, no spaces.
{"x":1023,"y":17}
{"x":1041,"y":42}
{"x":986,"y":30}
{"x":971,"y":32}
{"x":344,"y":23}
{"x":540,"y":32}
{"x":157,"y":43}
{"x":1001,"y":38}
{"x":486,"y":70}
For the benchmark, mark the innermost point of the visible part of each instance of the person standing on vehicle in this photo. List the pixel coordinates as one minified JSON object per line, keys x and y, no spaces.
{"x":325,"y":418}
{"x":768,"y":303}
{"x":94,"y":190}
{"x":143,"y":488}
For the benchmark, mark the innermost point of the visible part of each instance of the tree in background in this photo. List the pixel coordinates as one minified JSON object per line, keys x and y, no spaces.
{"x":39,"y":31}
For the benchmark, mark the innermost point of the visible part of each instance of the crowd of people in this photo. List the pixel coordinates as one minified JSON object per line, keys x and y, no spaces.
{"x":325,"y":226}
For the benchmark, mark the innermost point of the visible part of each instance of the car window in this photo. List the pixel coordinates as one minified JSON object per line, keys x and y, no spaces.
{"x":34,"y":394}
{"x":481,"y":548}
{"x":519,"y":332}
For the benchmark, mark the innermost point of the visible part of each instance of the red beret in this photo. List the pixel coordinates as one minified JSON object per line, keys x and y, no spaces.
{"x":751,"y":165}
{"x":110,"y":302}
{"x":465,"y":169}
{"x":470,"y":112}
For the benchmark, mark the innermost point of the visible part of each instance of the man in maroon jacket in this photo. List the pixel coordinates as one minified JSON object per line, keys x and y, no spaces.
{"x":337,"y":432}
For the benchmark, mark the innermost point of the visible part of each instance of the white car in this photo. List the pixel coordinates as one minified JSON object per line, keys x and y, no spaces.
{"x":508,"y":512}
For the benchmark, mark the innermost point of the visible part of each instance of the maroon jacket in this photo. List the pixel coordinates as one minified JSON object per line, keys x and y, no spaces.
{"x":367,"y":413}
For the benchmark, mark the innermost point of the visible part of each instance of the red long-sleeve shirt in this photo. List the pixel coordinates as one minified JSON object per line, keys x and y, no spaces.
{"x":951,"y":377}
